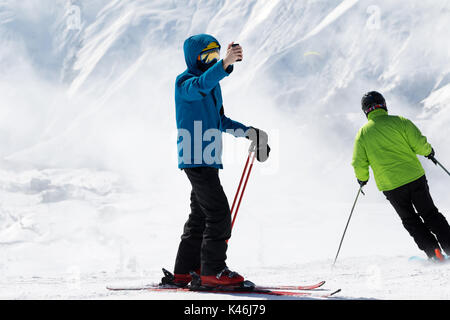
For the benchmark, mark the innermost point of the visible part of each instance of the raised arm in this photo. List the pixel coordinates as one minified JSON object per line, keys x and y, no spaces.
{"x":195,"y":88}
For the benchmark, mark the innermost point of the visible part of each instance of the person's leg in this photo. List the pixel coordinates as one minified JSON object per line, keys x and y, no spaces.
{"x":214,"y":204}
{"x":400,"y":199}
{"x":433,"y":219}
{"x":188,"y":256}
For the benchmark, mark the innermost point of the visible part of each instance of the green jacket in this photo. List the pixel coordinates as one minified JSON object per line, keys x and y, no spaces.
{"x":389,"y":144}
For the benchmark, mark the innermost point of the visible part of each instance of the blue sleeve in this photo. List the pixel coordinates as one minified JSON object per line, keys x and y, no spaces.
{"x":237,"y":129}
{"x":194,"y":88}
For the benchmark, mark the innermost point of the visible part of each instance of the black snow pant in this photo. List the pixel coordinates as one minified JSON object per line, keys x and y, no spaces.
{"x":427,"y":226}
{"x":203,"y":243}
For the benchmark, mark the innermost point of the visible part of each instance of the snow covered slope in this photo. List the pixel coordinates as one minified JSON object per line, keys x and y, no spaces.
{"x":88,"y":178}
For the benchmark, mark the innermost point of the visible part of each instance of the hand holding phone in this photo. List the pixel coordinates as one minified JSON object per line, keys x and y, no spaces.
{"x":237,"y":46}
{"x":234,"y":54}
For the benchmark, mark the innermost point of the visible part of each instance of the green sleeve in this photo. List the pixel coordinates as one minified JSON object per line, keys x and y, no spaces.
{"x":416,"y":140}
{"x":360,"y":161}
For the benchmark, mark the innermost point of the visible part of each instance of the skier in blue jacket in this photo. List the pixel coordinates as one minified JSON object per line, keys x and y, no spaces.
{"x":200,"y":121}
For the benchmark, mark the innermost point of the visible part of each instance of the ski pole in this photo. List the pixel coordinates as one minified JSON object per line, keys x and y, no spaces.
{"x":345,"y":230}
{"x":240,"y":182}
{"x":438,"y":163}
{"x":251,"y":160}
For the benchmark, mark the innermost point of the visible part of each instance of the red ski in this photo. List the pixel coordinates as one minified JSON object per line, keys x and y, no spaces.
{"x":304,"y":287}
{"x":156,"y":286}
{"x":247,"y":287}
{"x":255,"y":290}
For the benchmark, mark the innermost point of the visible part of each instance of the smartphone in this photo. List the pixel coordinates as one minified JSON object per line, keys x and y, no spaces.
{"x":234,"y":45}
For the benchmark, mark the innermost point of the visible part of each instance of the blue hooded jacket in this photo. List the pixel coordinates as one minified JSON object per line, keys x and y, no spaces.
{"x":200,"y":115}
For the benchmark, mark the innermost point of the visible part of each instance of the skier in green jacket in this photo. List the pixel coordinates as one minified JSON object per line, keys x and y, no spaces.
{"x":390,"y":144}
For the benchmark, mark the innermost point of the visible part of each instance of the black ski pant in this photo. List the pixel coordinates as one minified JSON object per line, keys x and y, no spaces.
{"x":203,"y":243}
{"x":427,"y":226}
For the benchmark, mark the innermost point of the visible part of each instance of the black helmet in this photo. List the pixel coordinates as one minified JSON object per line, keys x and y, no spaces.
{"x":373,"y":100}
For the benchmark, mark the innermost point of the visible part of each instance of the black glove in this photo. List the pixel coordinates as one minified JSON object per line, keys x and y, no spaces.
{"x":362,"y":183}
{"x":431,"y":156}
{"x":259,"y":139}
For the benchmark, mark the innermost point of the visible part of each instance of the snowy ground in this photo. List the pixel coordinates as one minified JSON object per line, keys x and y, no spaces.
{"x":76,"y":232}
{"x":359,"y":278}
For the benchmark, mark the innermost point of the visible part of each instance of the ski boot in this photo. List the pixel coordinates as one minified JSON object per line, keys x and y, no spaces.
{"x":225,"y":280}
{"x":176,"y":280}
{"x":438,"y":256}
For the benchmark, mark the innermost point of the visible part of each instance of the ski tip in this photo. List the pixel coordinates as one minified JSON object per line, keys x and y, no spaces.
{"x":416,"y":259}
{"x":314,"y":286}
{"x":335,"y":292}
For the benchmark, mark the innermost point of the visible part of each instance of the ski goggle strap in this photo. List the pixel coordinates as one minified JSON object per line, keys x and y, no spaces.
{"x":210,"y":53}
{"x":377,"y":106}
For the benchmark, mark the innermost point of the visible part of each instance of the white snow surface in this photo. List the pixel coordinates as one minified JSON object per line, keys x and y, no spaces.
{"x":90,"y":193}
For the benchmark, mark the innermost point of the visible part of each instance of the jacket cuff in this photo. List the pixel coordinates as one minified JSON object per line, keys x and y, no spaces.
{"x":229,"y":69}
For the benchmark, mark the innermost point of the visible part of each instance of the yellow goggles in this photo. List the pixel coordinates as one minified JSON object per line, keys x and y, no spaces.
{"x":210,"y":55}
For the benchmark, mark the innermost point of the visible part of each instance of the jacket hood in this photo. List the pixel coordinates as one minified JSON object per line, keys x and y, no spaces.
{"x":193,"y":46}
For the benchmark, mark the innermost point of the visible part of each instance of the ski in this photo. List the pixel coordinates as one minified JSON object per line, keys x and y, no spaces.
{"x":426,"y":260}
{"x":247,"y":287}
{"x":294,"y":287}
{"x":243,"y":291}
{"x":302,"y":287}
